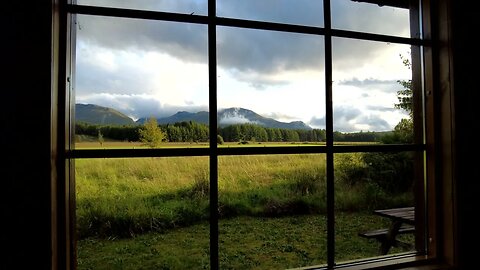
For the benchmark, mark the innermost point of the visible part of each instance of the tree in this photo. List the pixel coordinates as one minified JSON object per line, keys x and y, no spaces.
{"x":405,"y":96}
{"x":220,"y":139}
{"x":100,"y":138}
{"x":393,"y":171}
{"x":403,"y":131}
{"x":151,"y":134}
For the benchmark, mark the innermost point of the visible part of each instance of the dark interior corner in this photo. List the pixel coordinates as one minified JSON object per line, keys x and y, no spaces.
{"x":28,"y":214}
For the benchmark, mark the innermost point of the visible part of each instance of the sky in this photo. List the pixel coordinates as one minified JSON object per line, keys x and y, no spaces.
{"x":147,"y":68}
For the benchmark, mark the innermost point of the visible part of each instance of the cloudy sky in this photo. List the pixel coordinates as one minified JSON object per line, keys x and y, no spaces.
{"x":151,"y":68}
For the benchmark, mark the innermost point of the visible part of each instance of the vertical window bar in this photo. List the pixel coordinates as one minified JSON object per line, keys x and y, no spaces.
{"x":329,"y":137}
{"x":69,"y":186}
{"x":419,"y":126}
{"x":212,"y":72}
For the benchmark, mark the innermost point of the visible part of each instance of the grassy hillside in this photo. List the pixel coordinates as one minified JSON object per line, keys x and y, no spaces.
{"x":94,"y":114}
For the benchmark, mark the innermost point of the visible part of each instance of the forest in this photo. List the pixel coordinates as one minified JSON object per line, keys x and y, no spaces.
{"x":196,"y":132}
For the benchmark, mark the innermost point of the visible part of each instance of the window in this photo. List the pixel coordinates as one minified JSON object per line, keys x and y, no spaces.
{"x":320,"y":120}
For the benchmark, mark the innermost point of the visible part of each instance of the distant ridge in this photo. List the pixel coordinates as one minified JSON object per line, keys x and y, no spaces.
{"x":230,"y":116}
{"x":98,"y":115}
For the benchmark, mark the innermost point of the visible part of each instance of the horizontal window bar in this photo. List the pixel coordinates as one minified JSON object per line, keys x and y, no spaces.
{"x":137,"y":14}
{"x":281,"y":27}
{"x":220,"y":21}
{"x":378,"y":37}
{"x":225,"y":151}
{"x":378,"y":148}
{"x":131,"y":153}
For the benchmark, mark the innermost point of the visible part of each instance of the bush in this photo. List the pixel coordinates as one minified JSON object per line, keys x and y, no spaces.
{"x":393,"y":172}
{"x":220,"y":140}
{"x":350,"y":168}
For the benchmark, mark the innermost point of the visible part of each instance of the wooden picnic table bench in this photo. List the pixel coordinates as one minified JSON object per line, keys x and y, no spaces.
{"x":403,"y":222}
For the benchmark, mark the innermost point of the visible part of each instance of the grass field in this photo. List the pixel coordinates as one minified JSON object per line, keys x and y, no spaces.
{"x":272,"y":209}
{"x":93,"y":144}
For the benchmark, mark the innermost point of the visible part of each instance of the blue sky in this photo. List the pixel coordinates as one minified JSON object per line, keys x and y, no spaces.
{"x":149,"y":68}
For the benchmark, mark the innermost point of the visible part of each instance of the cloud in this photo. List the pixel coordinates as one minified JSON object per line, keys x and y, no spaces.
{"x":302,"y":12}
{"x":243,"y":50}
{"x":351,"y":119}
{"x":165,"y":64}
{"x":367,"y":82}
{"x":267,"y":52}
{"x":371,"y":18}
{"x":281,"y":116}
{"x":317,"y":122}
{"x":371,"y":84}
{"x":237,"y":119}
{"x":187,"y":42}
{"x":138,"y":106}
{"x":380,"y":108}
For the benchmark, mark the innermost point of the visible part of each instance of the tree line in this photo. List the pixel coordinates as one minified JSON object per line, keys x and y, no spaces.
{"x":196,"y":132}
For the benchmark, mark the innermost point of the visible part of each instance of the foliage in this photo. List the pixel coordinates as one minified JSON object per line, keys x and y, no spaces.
{"x":151,"y":134}
{"x":350,"y":168}
{"x":187,"y":132}
{"x":402,"y":133}
{"x":197,"y":132}
{"x":405,"y":96}
{"x":393,"y":172}
{"x":362,"y":136}
{"x":101,"y":140}
{"x":390,"y":172}
{"x":220,"y":139}
{"x":121,"y":133}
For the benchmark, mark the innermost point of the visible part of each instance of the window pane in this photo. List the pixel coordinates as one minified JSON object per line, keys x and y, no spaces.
{"x":366,"y":16}
{"x":365,"y":182}
{"x":271,"y":87}
{"x":300,"y":12}
{"x":272,"y":211}
{"x":149,"y":213}
{"x":128,"y":71}
{"x":368,"y":80}
{"x":198,"y":7}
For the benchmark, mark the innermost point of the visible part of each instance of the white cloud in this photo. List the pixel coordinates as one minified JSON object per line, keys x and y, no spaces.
{"x":138,"y":106}
{"x":144,"y":67}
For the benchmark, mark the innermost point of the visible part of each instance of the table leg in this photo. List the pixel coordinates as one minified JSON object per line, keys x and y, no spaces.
{"x":390,"y":237}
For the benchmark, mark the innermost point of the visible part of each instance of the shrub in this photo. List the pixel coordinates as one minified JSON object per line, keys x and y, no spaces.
{"x":350,"y":168}
{"x":393,"y":172}
{"x":220,"y":140}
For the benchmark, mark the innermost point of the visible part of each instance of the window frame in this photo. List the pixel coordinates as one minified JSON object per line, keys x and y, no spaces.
{"x":425,"y":122}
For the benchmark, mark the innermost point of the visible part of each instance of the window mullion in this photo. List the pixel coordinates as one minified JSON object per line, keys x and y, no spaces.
{"x":212,"y":73}
{"x":329,"y":136}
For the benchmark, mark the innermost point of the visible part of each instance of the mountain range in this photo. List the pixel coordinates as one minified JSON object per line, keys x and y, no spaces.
{"x":94,"y":114}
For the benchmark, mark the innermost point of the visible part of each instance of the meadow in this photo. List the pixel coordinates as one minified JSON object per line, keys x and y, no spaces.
{"x":272,"y":211}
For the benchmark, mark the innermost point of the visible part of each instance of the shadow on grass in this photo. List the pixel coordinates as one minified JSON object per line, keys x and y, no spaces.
{"x":128,"y":216}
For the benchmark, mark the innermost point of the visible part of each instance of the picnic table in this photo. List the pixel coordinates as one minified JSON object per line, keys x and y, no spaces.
{"x":402,"y":222}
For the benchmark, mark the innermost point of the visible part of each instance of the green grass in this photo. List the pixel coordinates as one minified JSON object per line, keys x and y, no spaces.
{"x":88,"y":142}
{"x":244,"y":243}
{"x":272,"y":210}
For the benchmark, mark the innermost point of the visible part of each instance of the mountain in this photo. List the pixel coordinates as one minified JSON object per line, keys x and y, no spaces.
{"x":242,"y":116}
{"x":98,"y":115}
{"x":199,"y":117}
{"x":231,"y":116}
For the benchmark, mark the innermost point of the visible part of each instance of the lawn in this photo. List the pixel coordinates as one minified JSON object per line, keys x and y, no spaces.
{"x":152,"y":213}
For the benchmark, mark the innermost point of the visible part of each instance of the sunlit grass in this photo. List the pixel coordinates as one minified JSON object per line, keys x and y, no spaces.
{"x":93,"y":144}
{"x":272,"y":211}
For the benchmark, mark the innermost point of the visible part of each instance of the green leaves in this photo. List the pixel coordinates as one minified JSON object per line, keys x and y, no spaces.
{"x":151,"y":134}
